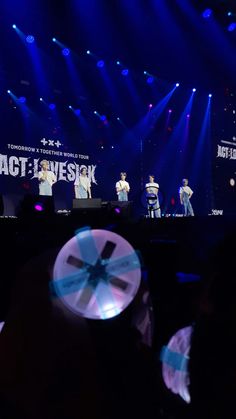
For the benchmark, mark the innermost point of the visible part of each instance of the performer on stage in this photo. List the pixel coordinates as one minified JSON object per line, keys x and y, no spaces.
{"x":82,"y":185}
{"x":185,"y":193}
{"x":46,"y":179}
{"x":153,"y":205}
{"x":122,"y":188}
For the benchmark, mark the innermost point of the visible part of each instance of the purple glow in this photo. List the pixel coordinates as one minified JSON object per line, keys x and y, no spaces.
{"x":188,"y":116}
{"x":150,"y":105}
{"x":170,"y":110}
{"x":38,"y":207}
{"x":117,"y":210}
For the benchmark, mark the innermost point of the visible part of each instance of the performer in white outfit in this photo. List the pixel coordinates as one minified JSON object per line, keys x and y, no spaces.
{"x":122,"y":188}
{"x":185,"y":193}
{"x":153,"y":205}
{"x":46,"y":179}
{"x":82,"y":185}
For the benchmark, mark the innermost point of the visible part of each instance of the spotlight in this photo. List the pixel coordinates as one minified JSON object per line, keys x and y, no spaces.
{"x":170,"y":110}
{"x":53,"y":39}
{"x":194,"y":90}
{"x":177,"y":84}
{"x":118,"y":62}
{"x":100,"y":63}
{"x":65,"y":52}
{"x":232,"y":27}
{"x":14,"y":26}
{"x":52,"y":106}
{"x":144,"y":72}
{"x":150,"y":80}
{"x":22,"y":99}
{"x":30,"y":39}
{"x":9,"y":91}
{"x":150,"y":105}
{"x":77,"y":112}
{"x":207,"y":13}
{"x":41,"y":99}
{"x":210,"y":95}
{"x":70,"y":107}
{"x":125,"y":72}
{"x":88,"y":52}
{"x":188,"y":115}
{"x":95,"y":112}
{"x":229,"y":14}
{"x":118,"y":119}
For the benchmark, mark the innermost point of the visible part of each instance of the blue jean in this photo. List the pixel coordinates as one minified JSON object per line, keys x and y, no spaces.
{"x":45,"y":188}
{"x":122,"y":196}
{"x":188,"y":209}
{"x":80,"y":192}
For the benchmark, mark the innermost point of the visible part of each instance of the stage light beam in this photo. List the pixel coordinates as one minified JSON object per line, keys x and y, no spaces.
{"x":65,"y":52}
{"x":30,"y":39}
{"x":206,"y":14}
{"x":125,"y":72}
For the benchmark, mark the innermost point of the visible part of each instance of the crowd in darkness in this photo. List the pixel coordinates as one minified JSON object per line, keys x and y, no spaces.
{"x":55,"y":365}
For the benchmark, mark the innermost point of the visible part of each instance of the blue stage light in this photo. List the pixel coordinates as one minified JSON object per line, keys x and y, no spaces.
{"x":65,"y":52}
{"x":194,"y":90}
{"x":177,"y":84}
{"x":210,"y":95}
{"x":207,"y":13}
{"x":70,"y":107}
{"x":100,"y":63}
{"x":232,"y":27}
{"x":103,"y":117}
{"x":88,"y":52}
{"x":144,"y":72}
{"x":125,"y":72}
{"x":229,"y":14}
{"x":77,"y":112}
{"x":150,"y":80}
{"x":22,"y":99}
{"x":30,"y":39}
{"x":118,"y":119}
{"x":9,"y":91}
{"x":41,"y":99}
{"x":14,"y":26}
{"x":118,"y":62}
{"x":95,"y":112}
{"x":52,"y":106}
{"x":53,"y":39}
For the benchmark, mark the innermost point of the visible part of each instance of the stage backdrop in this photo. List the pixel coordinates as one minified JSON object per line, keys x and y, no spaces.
{"x":19,"y":166}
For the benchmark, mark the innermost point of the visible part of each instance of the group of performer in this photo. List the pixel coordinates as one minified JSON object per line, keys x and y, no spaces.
{"x":82,"y":187}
